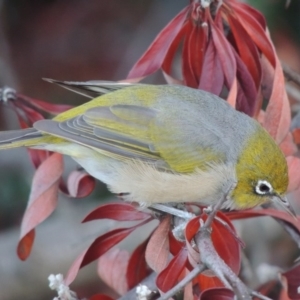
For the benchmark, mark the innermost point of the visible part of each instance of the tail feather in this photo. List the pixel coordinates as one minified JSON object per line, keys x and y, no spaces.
{"x":18,"y":138}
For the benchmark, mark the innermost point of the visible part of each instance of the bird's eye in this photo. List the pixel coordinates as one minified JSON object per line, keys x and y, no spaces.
{"x":263,"y":187}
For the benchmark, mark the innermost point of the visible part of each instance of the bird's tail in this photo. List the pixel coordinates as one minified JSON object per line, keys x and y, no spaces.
{"x":19,"y":138}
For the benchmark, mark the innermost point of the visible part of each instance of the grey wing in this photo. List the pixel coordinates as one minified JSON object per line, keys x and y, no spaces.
{"x":103,"y":130}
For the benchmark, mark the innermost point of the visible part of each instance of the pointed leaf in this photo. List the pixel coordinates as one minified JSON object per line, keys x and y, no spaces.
{"x":80,"y":184}
{"x":278,"y":113}
{"x":117,"y":211}
{"x":137,"y":268}
{"x":100,"y":246}
{"x":171,"y":274}
{"x":112,"y":268}
{"x":225,"y":55}
{"x":42,"y":200}
{"x":223,"y":238}
{"x":212,"y":77}
{"x":255,"y":31}
{"x":154,"y":56}
{"x":281,"y":215}
{"x":157,"y":251}
{"x":246,"y":49}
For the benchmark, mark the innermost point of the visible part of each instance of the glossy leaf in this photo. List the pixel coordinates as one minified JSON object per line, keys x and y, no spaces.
{"x":212,"y":77}
{"x":223,"y":239}
{"x":246,"y":49}
{"x":100,"y":246}
{"x":112,"y":268}
{"x":217,"y":294}
{"x":137,"y":268}
{"x":251,"y":213}
{"x":208,"y":282}
{"x":80,"y":184}
{"x":117,"y":211}
{"x":247,"y":93}
{"x":225,"y":55}
{"x":42,"y":201}
{"x":153,"y":58}
{"x":255,"y":31}
{"x":278,"y":113}
{"x":157,"y":251}
{"x":171,"y":274}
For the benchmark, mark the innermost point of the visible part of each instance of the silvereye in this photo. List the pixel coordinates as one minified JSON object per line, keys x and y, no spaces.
{"x":159,"y":144}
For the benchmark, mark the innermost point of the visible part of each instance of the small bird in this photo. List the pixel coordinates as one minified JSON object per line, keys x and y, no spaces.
{"x":166,"y":143}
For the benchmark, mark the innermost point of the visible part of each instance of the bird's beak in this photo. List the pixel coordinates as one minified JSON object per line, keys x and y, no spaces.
{"x":284,"y":203}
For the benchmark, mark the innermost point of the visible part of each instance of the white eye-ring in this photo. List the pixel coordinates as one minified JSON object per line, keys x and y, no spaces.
{"x":263,"y":187}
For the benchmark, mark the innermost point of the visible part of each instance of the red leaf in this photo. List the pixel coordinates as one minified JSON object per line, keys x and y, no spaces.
{"x":217,"y":294}
{"x":278,"y":113}
{"x":38,"y":156}
{"x":100,"y":297}
{"x":207,"y":282}
{"x":42,"y":200}
{"x":246,"y":49}
{"x":225,"y":55}
{"x":282,"y":215}
{"x":294,"y":174}
{"x":174,"y":244}
{"x":167,"y":63}
{"x":157,"y":251}
{"x":171,"y":274}
{"x":193,"y":54}
{"x":112,"y":268}
{"x":100,"y":246}
{"x":293,"y":279}
{"x":117,"y":211}
{"x":255,"y":31}
{"x":212,"y":77}
{"x":190,"y":78}
{"x":80,"y":184}
{"x":296,"y":135}
{"x":247,"y":92}
{"x":223,"y":240}
{"x":137,"y":267}
{"x":25,"y":245}
{"x":154,"y":56}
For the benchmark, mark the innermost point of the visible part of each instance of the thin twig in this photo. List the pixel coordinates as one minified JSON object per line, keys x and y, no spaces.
{"x":172,"y":211}
{"x":290,"y":74}
{"x":177,"y":288}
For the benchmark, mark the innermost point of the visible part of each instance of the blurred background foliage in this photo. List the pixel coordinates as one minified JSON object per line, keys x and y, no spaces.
{"x":85,"y":40}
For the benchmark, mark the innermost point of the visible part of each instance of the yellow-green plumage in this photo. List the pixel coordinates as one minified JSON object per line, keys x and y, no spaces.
{"x":144,"y":140}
